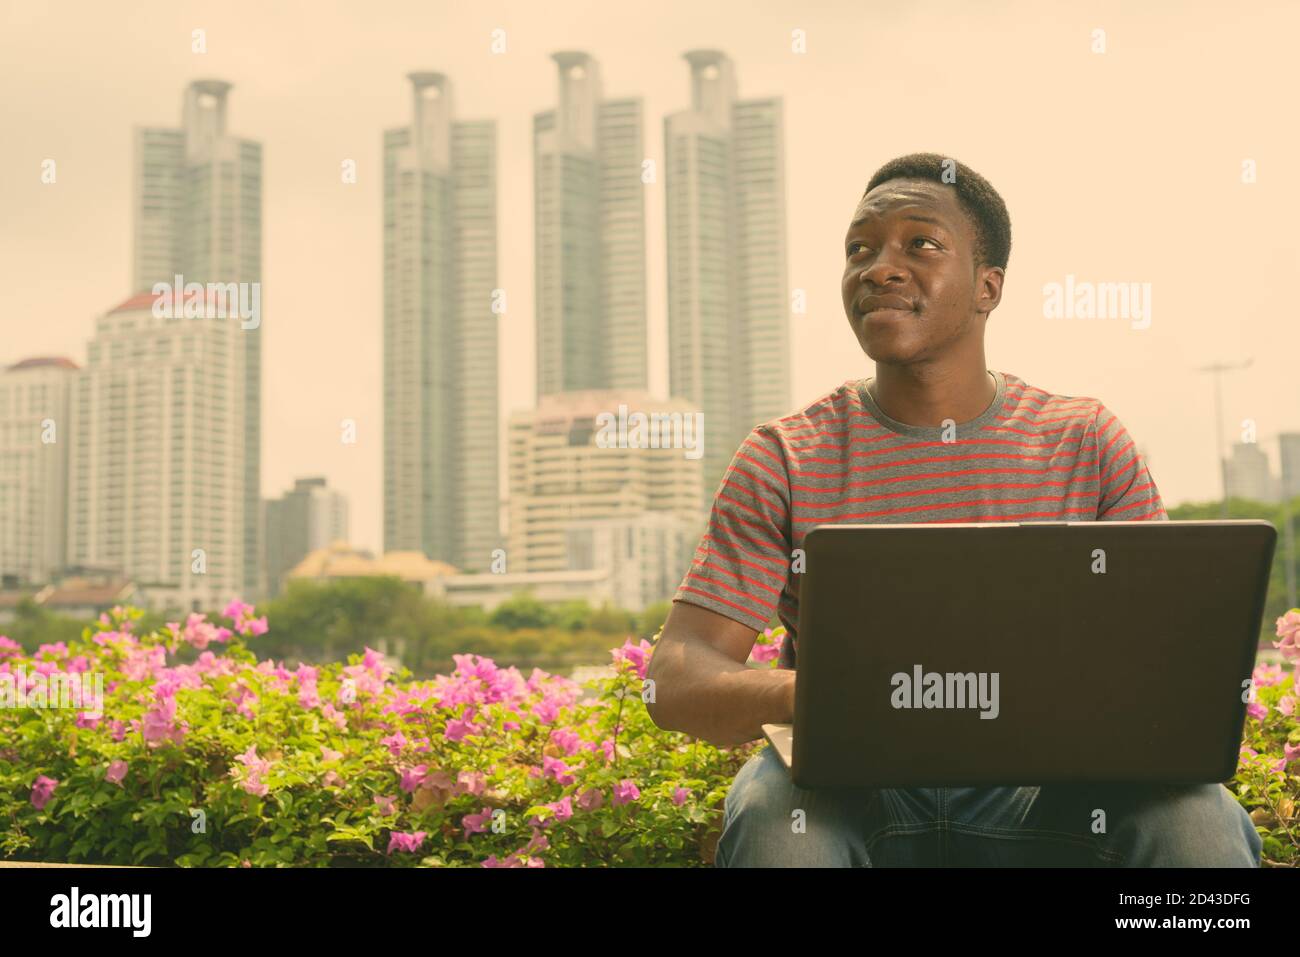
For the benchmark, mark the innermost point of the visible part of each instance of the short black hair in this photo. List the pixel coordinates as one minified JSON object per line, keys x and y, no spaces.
{"x":979,"y":200}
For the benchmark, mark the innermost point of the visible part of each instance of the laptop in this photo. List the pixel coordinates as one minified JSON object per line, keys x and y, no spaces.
{"x":1010,"y":654}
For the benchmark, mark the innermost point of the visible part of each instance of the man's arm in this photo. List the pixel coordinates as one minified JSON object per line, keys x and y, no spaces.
{"x":1127,"y":492}
{"x":703,"y":686}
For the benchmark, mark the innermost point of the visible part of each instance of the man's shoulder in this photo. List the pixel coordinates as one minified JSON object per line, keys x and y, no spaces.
{"x":1051,"y":410}
{"x":833,"y":407}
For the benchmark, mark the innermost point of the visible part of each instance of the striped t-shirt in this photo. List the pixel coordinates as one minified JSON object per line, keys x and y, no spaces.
{"x":1031,"y":456}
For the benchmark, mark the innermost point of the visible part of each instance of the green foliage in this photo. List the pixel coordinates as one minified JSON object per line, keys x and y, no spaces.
{"x":264,"y":766}
{"x":323,"y":768}
{"x":325,"y":621}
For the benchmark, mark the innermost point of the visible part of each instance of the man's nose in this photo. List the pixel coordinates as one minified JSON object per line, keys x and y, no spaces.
{"x":884,"y":270}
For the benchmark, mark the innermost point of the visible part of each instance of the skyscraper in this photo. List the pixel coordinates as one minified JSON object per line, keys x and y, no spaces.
{"x":1289,"y":452}
{"x":308,"y":517}
{"x":1248,"y":474}
{"x":35,"y":435}
{"x":589,"y":234}
{"x":198,"y":214}
{"x":440,"y":332}
{"x":156,"y":469}
{"x":728,"y":304}
{"x":564,"y":475}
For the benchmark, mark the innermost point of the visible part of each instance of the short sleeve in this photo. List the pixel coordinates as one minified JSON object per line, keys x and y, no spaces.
{"x":1127,"y":492}
{"x":741,"y":564}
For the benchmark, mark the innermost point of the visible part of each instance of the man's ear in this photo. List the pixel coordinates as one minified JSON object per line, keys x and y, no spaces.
{"x":988,"y":288}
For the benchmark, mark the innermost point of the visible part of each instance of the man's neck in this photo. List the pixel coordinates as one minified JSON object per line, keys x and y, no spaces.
{"x":928,"y":401}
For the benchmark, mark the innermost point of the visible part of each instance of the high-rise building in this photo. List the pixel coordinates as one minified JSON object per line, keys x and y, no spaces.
{"x":198,"y":214}
{"x":156,"y":469}
{"x":1248,"y":475}
{"x":1289,"y":452}
{"x":309,"y":517}
{"x":728,"y":305}
{"x":440,"y":332}
{"x":567,"y":467}
{"x":35,"y":435}
{"x":646,"y":555}
{"x":589,"y":236}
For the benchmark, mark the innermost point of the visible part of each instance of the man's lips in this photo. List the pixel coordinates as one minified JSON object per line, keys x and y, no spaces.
{"x":872,"y":304}
{"x":885,"y":308}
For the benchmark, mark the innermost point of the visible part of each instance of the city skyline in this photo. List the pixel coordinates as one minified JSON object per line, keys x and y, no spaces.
{"x":1060,"y":228}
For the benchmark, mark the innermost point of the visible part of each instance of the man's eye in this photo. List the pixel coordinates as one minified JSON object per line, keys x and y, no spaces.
{"x":927,"y":239}
{"x":851,"y":245}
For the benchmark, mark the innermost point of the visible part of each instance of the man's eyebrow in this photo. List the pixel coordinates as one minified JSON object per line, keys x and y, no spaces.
{"x":914,"y":216}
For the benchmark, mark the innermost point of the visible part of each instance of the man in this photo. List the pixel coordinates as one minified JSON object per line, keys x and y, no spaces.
{"x":935,"y":437}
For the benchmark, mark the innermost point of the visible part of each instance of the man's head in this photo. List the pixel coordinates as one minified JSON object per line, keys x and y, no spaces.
{"x":925,"y":257}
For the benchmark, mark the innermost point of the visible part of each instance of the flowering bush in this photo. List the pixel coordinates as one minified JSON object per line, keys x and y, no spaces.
{"x":204,"y":757}
{"x":1267,"y":782}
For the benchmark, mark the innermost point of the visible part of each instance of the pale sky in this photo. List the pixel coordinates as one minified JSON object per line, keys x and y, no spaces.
{"x":1123,"y":166}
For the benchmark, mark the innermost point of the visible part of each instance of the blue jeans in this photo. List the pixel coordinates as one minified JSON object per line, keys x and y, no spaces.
{"x":1075,"y":825}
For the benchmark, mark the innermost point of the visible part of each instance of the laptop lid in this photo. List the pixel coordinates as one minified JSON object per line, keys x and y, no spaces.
{"x":985,"y":654}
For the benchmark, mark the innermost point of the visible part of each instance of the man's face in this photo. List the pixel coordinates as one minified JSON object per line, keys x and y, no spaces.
{"x":910,"y":284}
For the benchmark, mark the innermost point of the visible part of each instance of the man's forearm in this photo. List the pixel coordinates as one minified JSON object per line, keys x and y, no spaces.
{"x":702,"y":692}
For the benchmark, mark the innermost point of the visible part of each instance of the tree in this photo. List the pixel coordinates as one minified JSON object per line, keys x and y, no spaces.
{"x":520,"y":610}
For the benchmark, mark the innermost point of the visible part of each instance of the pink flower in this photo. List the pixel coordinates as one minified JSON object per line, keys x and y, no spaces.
{"x":308,"y":697}
{"x":563,"y":809}
{"x":624,"y":792}
{"x":1257,"y":710}
{"x":333,"y":714}
{"x":470,"y":782}
{"x":680,"y":795}
{"x":637,"y":656}
{"x":116,"y":772}
{"x":1266,"y":676}
{"x":86,"y":720}
{"x":554,"y":767}
{"x":41,"y":791}
{"x":199,"y":632}
{"x":476,"y":823}
{"x":160,"y":723}
{"x":9,"y":647}
{"x":236,"y":610}
{"x":408,"y":843}
{"x":1288,"y":629}
{"x":457,"y":729}
{"x":566,"y":740}
{"x":412,"y":778}
{"x":254,"y":768}
{"x":386,"y":808}
{"x":546,"y":710}
{"x":590,"y":800}
{"x":1287,"y":705}
{"x":242,"y":615}
{"x":329,"y":755}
